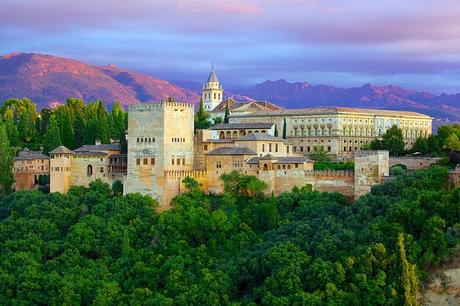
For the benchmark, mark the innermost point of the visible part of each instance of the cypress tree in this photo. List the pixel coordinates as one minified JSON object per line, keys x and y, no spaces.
{"x":202,"y":117}
{"x":68,"y":135}
{"x":6,"y":163}
{"x":284,"y":129}
{"x":52,"y":137}
{"x":227,"y":113}
{"x":79,"y":129}
{"x":409,"y":282}
{"x":276,"y":130}
{"x":11,"y":128}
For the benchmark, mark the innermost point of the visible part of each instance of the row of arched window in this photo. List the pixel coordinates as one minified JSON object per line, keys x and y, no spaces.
{"x":145,"y":139}
{"x":208,"y":95}
{"x":177,"y":139}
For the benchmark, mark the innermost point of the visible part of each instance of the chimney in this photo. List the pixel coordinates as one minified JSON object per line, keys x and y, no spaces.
{"x":98,"y":142}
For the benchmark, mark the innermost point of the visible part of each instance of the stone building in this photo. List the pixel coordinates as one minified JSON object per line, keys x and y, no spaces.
{"x":85,"y":164}
{"x":340,"y":131}
{"x":160,"y":138}
{"x":30,"y":168}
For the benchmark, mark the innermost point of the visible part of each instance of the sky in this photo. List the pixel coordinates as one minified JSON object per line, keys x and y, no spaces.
{"x":412,"y":43}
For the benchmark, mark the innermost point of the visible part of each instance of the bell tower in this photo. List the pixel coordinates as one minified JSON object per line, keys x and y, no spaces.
{"x":212,"y":93}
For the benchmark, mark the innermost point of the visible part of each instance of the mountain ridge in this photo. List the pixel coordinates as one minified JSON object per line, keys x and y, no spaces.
{"x":49,"y":80}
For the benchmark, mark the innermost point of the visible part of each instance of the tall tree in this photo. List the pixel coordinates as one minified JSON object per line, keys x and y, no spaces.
{"x":79,"y":129}
{"x":6,"y":163}
{"x":276,"y":130}
{"x":409,"y":282}
{"x":393,"y":141}
{"x":52,"y":137}
{"x":68,"y":134}
{"x":227,"y":113}
{"x":202,"y":117}
{"x":11,"y":128}
{"x":284,"y":129}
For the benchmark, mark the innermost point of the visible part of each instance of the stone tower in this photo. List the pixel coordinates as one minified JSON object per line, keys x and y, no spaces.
{"x":160,"y":138}
{"x":212,"y":93}
{"x":60,"y":169}
{"x":370,"y":168}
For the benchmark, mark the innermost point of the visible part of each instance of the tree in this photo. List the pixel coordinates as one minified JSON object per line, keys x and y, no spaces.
{"x":52,"y":137}
{"x":393,"y":141}
{"x":227,"y":113}
{"x":319,"y":155}
{"x":452,"y":143}
{"x":6,"y":163}
{"x":276,"y":130}
{"x":68,"y":134}
{"x":202,"y":117}
{"x":217,"y":120}
{"x":409,"y":282}
{"x":421,"y":145}
{"x":284,"y":129}
{"x":11,"y":128}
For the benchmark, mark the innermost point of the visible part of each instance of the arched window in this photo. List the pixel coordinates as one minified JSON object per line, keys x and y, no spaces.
{"x":265,"y":167}
{"x":89,"y":170}
{"x":222,"y":135}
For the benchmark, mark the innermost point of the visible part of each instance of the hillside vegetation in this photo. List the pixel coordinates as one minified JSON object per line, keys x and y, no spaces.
{"x":91,"y":247}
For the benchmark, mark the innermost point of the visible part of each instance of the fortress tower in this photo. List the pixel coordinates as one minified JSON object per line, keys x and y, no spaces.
{"x":160,"y":137}
{"x":212,"y":93}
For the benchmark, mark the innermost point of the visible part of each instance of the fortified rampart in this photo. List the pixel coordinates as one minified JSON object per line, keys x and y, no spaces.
{"x":414,"y":163}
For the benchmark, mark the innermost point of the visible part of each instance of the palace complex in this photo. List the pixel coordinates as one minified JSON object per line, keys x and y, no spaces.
{"x":163,"y":148}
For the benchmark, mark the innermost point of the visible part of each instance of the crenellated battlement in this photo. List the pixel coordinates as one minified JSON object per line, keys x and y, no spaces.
{"x":152,"y":106}
{"x":177,"y":174}
{"x":329,"y":173}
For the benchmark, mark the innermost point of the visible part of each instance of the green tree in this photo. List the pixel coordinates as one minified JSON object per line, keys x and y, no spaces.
{"x":452,"y":143}
{"x":68,"y":134}
{"x":319,"y":155}
{"x":284,"y":129}
{"x":217,"y":120}
{"x":393,"y":141}
{"x":52,"y":137}
{"x":409,"y":281}
{"x":11,"y":128}
{"x":421,"y":145}
{"x":6,"y":163}
{"x":202,"y":118}
{"x":227,"y":113}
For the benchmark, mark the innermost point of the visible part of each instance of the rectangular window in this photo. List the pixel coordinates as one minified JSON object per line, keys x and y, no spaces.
{"x":172,"y":161}
{"x":205,"y":147}
{"x":178,"y":161}
{"x":263,"y":147}
{"x":269,"y":147}
{"x":287,"y":148}
{"x":276,"y":147}
{"x":138,"y":161}
{"x":183,"y":161}
{"x":101,"y":169}
{"x":152,"y":161}
{"x":146,"y":161}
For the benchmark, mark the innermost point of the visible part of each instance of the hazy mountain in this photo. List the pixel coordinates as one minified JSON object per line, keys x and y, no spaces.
{"x":48,"y":79}
{"x":303,"y":94}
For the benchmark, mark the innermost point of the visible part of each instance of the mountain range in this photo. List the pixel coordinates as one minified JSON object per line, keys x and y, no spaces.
{"x":49,"y":80}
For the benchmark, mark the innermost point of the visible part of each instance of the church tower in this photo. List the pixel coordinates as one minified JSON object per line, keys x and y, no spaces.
{"x":212,"y":93}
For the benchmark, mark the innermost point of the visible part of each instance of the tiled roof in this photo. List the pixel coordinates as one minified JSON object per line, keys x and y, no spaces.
{"x":226,"y":140}
{"x":213,"y":77}
{"x":26,"y":154}
{"x":236,"y":106}
{"x":101,"y":147}
{"x":232,"y":151}
{"x":334,"y":110}
{"x":258,"y":136}
{"x":89,"y":153}
{"x":278,"y":160}
{"x":236,"y":126}
{"x":61,"y":150}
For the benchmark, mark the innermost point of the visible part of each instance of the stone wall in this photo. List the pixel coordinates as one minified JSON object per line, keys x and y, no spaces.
{"x":370,"y":168}
{"x":414,"y":163}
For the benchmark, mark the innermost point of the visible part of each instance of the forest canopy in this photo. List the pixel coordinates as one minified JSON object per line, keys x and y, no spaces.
{"x":93,"y":246}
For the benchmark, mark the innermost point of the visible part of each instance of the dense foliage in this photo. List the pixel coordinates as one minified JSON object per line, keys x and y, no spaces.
{"x":72,"y":124}
{"x":92,"y":246}
{"x":347,"y":165}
